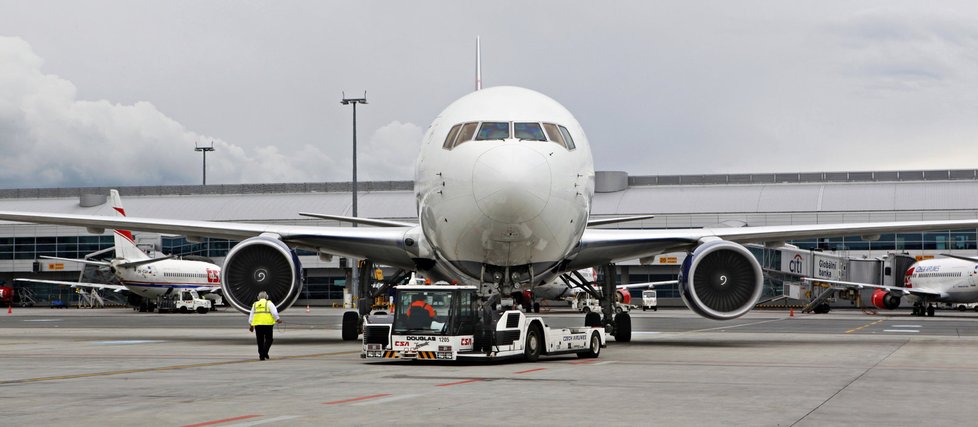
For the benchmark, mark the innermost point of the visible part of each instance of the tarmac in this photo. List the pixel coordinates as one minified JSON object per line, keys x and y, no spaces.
{"x":118,"y":367}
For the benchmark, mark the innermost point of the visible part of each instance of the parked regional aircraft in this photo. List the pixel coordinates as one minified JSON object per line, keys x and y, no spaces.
{"x":147,"y":277}
{"x":503,"y":186}
{"x":953,"y":279}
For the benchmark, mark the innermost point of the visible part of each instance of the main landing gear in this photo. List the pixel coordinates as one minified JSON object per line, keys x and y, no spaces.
{"x":615,"y":321}
{"x":920,"y":310}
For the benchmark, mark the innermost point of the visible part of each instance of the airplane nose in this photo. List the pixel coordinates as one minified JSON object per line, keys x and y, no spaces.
{"x":511,"y":183}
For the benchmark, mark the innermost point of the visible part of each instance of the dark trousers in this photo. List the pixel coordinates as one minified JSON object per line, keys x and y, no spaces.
{"x":263,"y":333}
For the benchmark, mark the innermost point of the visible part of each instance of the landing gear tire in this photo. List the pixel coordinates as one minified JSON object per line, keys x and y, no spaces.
{"x":623,"y":327}
{"x":644,"y":308}
{"x":536,"y":307}
{"x":350,"y":320}
{"x":930,"y":311}
{"x":592,"y":319}
{"x":533,"y":345}
{"x":593,"y":349}
{"x":822,"y":308}
{"x":202,"y":310}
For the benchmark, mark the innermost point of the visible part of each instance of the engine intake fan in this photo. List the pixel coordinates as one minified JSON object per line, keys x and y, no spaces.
{"x":720,"y":280}
{"x":261,"y":264}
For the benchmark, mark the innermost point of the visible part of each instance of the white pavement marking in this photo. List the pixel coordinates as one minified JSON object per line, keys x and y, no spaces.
{"x":42,"y":320}
{"x":607,"y":362}
{"x":126,"y":342}
{"x":901,"y":330}
{"x":736,"y":326}
{"x":259,"y":422}
{"x":385,"y":400}
{"x":905,"y":326}
{"x":649,"y":333}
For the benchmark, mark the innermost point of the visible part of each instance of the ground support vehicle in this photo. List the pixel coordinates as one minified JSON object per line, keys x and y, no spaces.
{"x":185,"y":301}
{"x":586,"y":304}
{"x":215,"y":299}
{"x":466,"y":327}
{"x":649,"y":300}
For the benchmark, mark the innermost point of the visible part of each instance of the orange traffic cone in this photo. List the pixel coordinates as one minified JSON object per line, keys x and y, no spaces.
{"x":307,"y":308}
{"x":10,"y":309}
{"x":792,"y":312}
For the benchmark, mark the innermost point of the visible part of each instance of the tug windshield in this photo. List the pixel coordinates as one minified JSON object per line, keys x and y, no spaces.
{"x":423,"y":312}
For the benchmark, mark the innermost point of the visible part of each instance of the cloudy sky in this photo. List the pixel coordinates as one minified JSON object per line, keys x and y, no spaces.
{"x":118,"y":92}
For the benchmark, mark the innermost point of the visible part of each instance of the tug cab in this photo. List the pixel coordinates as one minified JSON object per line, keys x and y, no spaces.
{"x":448,"y":322}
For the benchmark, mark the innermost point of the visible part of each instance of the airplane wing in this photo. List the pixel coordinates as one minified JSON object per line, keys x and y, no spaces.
{"x":381,"y":244}
{"x":961,"y":257}
{"x":603,"y":246}
{"x":115,"y":288}
{"x":649,"y":285}
{"x":856,"y":285}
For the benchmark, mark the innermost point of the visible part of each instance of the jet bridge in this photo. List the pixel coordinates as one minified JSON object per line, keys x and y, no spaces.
{"x":788,"y":265}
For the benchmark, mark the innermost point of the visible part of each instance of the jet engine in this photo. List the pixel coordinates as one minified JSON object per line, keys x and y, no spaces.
{"x":261,"y":264}
{"x":884,"y":299}
{"x":720,"y":280}
{"x":623,"y":296}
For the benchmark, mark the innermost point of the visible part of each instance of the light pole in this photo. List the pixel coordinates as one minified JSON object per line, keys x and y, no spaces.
{"x":354,"y":101}
{"x":204,"y":151}
{"x":354,"y":270}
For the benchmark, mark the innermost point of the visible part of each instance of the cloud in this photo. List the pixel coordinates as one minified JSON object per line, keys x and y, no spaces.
{"x":390,"y":153}
{"x":49,"y":138}
{"x":897,"y":49}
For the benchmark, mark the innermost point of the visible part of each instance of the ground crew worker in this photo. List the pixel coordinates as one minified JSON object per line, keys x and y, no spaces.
{"x":420,"y":303}
{"x":261,"y":321}
{"x":420,"y":313}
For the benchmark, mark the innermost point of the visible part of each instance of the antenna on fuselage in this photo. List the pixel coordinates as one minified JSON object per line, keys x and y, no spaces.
{"x":478,"y":64}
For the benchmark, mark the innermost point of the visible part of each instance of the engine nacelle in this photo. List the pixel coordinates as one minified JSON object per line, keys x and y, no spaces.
{"x":261,"y":264}
{"x":623,"y":296}
{"x":720,"y":280}
{"x":884,"y":299}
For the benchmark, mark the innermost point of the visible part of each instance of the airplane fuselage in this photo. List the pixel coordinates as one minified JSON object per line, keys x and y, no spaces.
{"x":955,"y":278}
{"x":156,"y":279}
{"x":504,"y":184}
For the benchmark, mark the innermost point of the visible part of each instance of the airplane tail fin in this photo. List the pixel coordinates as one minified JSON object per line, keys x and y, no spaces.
{"x":478,"y":64}
{"x":125,"y":245}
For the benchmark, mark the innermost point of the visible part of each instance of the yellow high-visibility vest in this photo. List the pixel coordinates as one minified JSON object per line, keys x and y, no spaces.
{"x":263,"y":316}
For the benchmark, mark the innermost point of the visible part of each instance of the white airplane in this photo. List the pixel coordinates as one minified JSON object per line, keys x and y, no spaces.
{"x":953,"y":279}
{"x":147,"y":277}
{"x":503,"y":186}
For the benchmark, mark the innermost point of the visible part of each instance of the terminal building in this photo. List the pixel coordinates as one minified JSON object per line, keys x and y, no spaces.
{"x":677,"y":201}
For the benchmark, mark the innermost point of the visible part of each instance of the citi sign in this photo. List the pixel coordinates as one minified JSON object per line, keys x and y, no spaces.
{"x":797,"y":264}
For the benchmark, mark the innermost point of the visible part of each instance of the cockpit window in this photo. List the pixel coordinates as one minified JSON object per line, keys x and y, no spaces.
{"x":528,"y":132}
{"x":466,"y":133}
{"x":554,"y":134}
{"x":567,"y":138}
{"x":498,"y":131}
{"x":450,"y":139}
{"x":493,"y":130}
